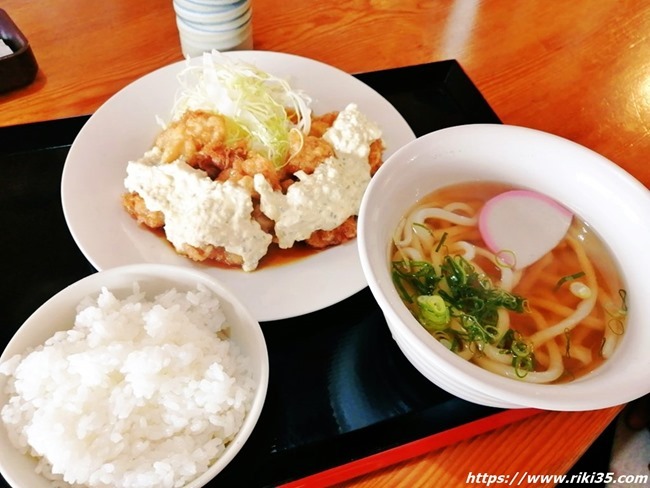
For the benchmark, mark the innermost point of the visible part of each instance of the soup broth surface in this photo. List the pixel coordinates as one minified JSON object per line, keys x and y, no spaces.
{"x":550,"y":322}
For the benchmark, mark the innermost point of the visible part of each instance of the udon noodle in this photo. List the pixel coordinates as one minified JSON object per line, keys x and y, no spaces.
{"x":549,"y":322}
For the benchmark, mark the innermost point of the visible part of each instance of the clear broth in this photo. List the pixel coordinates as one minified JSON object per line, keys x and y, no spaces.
{"x":538,"y":284}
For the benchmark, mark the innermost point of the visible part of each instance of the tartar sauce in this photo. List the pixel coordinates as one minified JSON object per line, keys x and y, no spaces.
{"x":333,"y":192}
{"x":198,"y":211}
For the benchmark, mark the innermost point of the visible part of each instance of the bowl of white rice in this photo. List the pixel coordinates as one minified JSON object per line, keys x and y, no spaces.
{"x":138,"y":376}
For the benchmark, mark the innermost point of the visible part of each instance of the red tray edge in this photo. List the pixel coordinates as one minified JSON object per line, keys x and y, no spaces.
{"x":410,"y":450}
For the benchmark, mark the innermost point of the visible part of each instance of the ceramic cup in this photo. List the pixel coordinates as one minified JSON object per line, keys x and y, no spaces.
{"x":204,"y":25}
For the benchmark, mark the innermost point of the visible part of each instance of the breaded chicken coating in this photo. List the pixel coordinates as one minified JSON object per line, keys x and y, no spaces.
{"x":218,"y":254}
{"x":189,"y":134}
{"x":326,"y":238}
{"x":306,"y":152}
{"x":135,"y":206}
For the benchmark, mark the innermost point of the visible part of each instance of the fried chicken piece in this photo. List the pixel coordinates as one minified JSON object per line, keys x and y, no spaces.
{"x":320,"y":123}
{"x":343,"y":233}
{"x":210,"y":252}
{"x":266,"y":223}
{"x":199,"y":138}
{"x":306,"y":152}
{"x":202,"y":161}
{"x":287,"y":182}
{"x":292,"y":115}
{"x":188,"y":135}
{"x":258,"y":164}
{"x":243,"y":171}
{"x":135,"y":206}
{"x":375,"y":157}
{"x":214,"y":158}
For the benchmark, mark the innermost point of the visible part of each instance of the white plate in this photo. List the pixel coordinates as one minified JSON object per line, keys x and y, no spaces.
{"x":124,"y":128}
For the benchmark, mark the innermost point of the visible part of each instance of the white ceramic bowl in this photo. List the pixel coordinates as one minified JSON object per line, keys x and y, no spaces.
{"x":58,"y":314}
{"x":614,"y":203}
{"x":441,"y":377}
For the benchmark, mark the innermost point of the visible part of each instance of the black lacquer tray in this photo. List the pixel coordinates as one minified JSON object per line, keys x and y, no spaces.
{"x":340,"y":390}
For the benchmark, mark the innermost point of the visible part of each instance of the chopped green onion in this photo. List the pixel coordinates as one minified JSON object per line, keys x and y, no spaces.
{"x":602,"y":346}
{"x":616,"y":325}
{"x":420,"y":276}
{"x":434,"y":313}
{"x":567,"y":337}
{"x":460,"y":307}
{"x":522,"y":365}
{"x":623,"y":294}
{"x":256,"y":101}
{"x":423,"y":226}
{"x":505,"y":259}
{"x":520,"y":348}
{"x":571,"y":277}
{"x":441,"y":242}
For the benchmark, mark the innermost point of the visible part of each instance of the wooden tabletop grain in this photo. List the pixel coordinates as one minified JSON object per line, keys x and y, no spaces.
{"x":578,"y":69}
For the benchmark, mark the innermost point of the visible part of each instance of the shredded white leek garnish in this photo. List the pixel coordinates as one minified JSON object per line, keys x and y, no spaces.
{"x":254,"y":100}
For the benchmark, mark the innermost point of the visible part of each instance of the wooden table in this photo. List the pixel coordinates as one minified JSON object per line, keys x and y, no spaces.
{"x":577,"y":69}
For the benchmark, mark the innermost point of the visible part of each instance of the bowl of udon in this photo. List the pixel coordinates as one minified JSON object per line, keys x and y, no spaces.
{"x":510,"y":266}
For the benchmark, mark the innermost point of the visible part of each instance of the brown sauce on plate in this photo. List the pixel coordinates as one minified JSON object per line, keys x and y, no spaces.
{"x":274,"y":257}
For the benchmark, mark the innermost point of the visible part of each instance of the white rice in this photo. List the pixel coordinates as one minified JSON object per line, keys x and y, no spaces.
{"x":139,"y":393}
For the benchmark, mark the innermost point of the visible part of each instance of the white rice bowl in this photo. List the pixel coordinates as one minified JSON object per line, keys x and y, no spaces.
{"x":159,"y":383}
